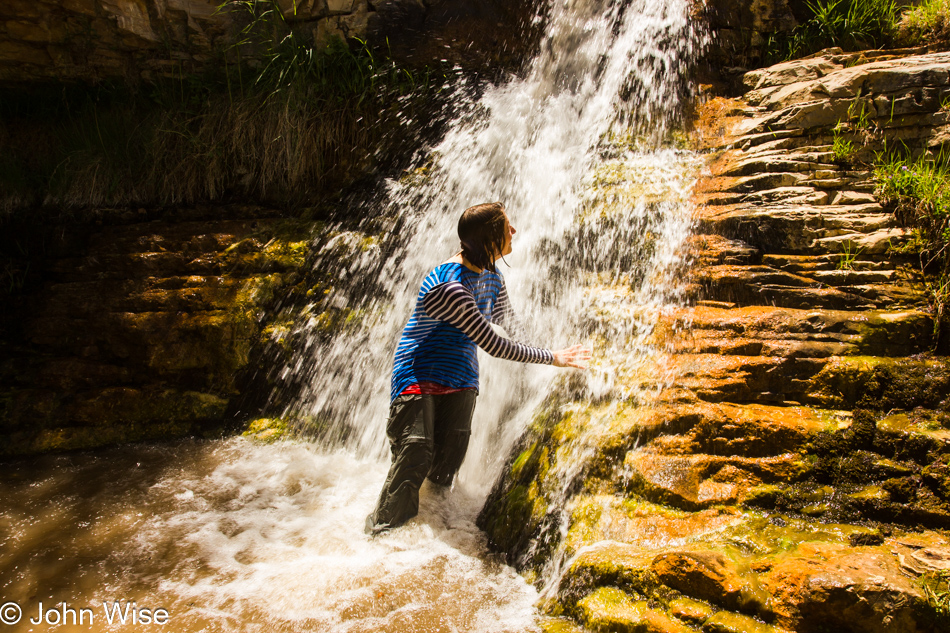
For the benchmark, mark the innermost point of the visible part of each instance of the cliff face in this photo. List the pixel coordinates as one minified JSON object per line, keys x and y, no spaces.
{"x":791,"y":472}
{"x":160,"y":328}
{"x":92,"y":40}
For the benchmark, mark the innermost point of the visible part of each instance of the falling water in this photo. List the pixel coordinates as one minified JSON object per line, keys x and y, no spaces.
{"x":233,"y":535}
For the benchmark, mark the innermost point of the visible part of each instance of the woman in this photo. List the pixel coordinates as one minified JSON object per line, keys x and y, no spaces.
{"x":435,"y":373}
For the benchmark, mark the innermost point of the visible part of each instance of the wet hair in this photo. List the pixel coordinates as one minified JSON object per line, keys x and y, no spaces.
{"x":482,"y":233}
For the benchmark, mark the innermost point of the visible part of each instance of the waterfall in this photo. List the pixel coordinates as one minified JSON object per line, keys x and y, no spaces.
{"x":606,"y":70}
{"x":231,"y":534}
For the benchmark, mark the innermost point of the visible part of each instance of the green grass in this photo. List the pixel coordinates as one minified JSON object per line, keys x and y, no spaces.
{"x":842,"y":147}
{"x":850,"y":24}
{"x":919,"y":191}
{"x":849,"y":253}
{"x":281,"y":120}
{"x":922,"y":185}
{"x":927,"y":23}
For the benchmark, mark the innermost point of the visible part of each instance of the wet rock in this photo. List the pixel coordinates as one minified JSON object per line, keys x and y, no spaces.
{"x":690,"y":610}
{"x":603,"y":519}
{"x":610,"y":609}
{"x":144,"y":331}
{"x":806,"y":422}
{"x":725,"y":622}
{"x":707,"y":575}
{"x":851,"y":590}
{"x":607,"y":563}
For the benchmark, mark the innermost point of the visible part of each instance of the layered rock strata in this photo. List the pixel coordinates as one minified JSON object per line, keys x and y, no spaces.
{"x":93,"y":40}
{"x":155,"y":330}
{"x":792,"y":474}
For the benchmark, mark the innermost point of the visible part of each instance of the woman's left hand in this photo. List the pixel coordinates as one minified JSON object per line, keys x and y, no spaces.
{"x":574,"y":356}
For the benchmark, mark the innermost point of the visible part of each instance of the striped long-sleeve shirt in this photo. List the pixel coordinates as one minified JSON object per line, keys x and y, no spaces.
{"x":453,"y":312}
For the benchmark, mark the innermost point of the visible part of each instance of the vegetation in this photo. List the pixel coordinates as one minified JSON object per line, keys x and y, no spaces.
{"x":310,"y":119}
{"x":927,"y":23}
{"x":849,"y":253}
{"x":916,"y":185}
{"x":919,"y":190}
{"x":850,"y":24}
{"x":937,"y":588}
{"x":842,"y":147}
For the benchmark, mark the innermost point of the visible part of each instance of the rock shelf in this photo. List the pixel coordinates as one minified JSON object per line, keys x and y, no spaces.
{"x":147,"y":330}
{"x":794,"y":474}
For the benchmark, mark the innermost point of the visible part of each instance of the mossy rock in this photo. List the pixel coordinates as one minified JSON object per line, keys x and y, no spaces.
{"x":881,"y":383}
{"x":611,"y":610}
{"x":267,"y":430}
{"x":726,"y":622}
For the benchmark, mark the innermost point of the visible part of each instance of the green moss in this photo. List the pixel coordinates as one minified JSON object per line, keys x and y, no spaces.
{"x":928,"y":423}
{"x":119,"y":415}
{"x":765,"y":496}
{"x":522,"y":460}
{"x":519,"y":512}
{"x":267,"y":430}
{"x":610,"y":609}
{"x":584,"y":520}
{"x":761,"y":537}
{"x":936,"y":587}
{"x":870,"y":493}
{"x":690,"y":610}
{"x":841,"y":382}
{"x":726,"y":622}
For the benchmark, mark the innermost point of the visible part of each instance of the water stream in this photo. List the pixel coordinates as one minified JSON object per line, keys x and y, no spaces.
{"x":233,"y":535}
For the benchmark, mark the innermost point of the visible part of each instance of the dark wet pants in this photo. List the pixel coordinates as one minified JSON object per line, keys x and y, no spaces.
{"x":428,"y":436}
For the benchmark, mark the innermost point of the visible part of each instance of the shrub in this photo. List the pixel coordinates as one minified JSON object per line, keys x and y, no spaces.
{"x":928,"y":23}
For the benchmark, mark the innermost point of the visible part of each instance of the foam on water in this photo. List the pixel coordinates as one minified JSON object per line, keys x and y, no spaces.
{"x":276,"y":531}
{"x":232,"y":535}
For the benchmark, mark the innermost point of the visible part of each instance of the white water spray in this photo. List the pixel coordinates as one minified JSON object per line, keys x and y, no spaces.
{"x":606,"y":69}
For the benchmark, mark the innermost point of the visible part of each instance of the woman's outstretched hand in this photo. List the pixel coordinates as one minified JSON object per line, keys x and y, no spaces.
{"x":574,"y":356}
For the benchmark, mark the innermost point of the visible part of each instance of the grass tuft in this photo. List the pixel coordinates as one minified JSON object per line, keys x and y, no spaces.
{"x":919,"y":191}
{"x":850,"y":24}
{"x":926,"y":24}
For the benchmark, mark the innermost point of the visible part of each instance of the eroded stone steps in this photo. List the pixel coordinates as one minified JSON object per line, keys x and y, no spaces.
{"x":752,"y":570}
{"x":766,"y":286}
{"x":773,"y":485}
{"x":783,"y":332}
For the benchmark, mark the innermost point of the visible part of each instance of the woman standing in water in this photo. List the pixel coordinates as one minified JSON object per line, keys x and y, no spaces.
{"x":435,"y":374}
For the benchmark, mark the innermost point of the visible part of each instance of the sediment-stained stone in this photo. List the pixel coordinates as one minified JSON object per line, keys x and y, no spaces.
{"x":793,"y":475}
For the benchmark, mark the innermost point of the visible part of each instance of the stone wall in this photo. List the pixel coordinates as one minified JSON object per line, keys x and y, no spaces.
{"x":91,"y":40}
{"x":739,"y":31}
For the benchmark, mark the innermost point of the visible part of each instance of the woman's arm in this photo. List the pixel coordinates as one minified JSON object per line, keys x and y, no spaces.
{"x":453,"y":303}
{"x":505,"y":316}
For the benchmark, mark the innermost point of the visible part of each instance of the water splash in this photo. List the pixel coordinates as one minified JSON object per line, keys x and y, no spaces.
{"x":606,"y":69}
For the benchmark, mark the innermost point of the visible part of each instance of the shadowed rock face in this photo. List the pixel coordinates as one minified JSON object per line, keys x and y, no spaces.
{"x":92,"y":40}
{"x":155,"y":330}
{"x":793,"y":476}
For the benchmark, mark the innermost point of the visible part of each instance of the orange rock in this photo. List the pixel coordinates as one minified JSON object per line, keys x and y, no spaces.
{"x":841,"y":588}
{"x":707,"y":575}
